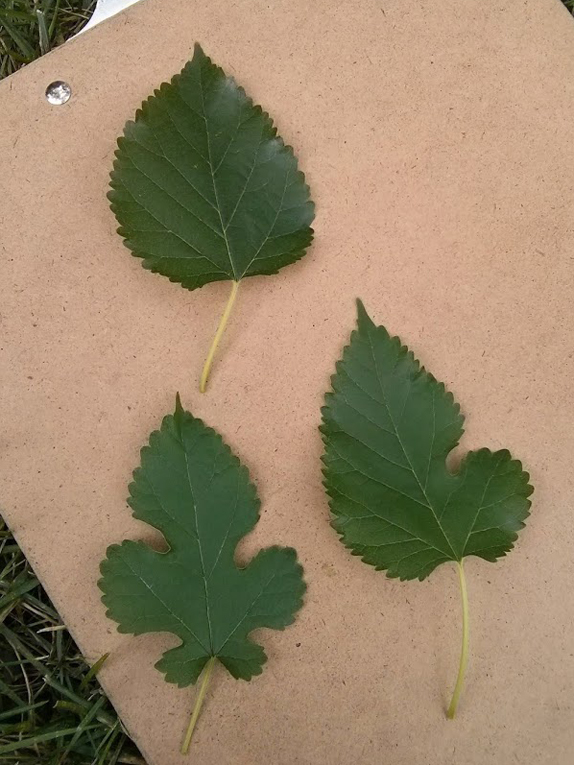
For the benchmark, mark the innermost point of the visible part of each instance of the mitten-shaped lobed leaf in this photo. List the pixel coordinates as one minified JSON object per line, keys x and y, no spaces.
{"x":195,"y":491}
{"x":388,"y":427}
{"x":203,"y":187}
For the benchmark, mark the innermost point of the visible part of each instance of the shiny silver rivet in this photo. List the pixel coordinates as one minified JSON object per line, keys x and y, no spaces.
{"x":58,"y":92}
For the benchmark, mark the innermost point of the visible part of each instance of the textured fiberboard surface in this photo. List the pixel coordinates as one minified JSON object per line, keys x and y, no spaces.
{"x":436,"y":137}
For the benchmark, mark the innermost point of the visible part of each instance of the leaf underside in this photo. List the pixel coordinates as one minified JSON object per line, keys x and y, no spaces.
{"x":387,"y":428}
{"x":203,"y":187}
{"x":195,"y":491}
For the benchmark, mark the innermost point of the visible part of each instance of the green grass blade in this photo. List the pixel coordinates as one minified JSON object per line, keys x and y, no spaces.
{"x":21,"y":709}
{"x":13,"y":15}
{"x":25,"y":48}
{"x":94,"y":670}
{"x":27,"y":743}
{"x":15,"y":592}
{"x":84,"y":725}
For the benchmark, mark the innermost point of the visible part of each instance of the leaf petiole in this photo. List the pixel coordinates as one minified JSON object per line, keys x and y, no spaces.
{"x":464,"y":652}
{"x":218,"y":336}
{"x":198,"y":704}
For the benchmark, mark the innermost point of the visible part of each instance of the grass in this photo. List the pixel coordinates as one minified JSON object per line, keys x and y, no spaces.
{"x":30,"y":28}
{"x":52,"y":709}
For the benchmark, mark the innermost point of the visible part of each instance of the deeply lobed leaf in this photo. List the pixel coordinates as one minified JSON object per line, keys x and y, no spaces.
{"x":388,"y":427}
{"x":195,"y":491}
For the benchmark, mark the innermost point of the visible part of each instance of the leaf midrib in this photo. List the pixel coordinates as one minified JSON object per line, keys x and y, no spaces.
{"x":373,"y":513}
{"x":204,"y":576}
{"x":385,"y":404}
{"x":199,"y":547}
{"x":237,"y":277}
{"x":211,"y":170}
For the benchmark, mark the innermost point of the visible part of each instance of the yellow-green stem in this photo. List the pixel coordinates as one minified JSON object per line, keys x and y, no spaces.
{"x":218,"y":335}
{"x":464,"y":652}
{"x":198,"y":704}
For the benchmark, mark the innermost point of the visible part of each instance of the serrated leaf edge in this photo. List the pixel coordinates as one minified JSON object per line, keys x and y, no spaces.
{"x":141,"y":113}
{"x":404,"y":351}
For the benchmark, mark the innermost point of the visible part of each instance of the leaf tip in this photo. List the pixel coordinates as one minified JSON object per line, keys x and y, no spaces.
{"x":364,"y":321}
{"x":198,"y":51}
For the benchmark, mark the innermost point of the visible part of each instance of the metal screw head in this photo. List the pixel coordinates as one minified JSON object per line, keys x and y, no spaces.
{"x":58,"y":92}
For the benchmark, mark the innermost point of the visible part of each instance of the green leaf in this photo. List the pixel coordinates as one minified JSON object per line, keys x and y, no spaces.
{"x":195,"y":491}
{"x":388,"y":427}
{"x":203,"y":187}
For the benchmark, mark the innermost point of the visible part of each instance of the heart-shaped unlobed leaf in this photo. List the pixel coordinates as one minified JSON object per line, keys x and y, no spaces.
{"x":388,"y":427}
{"x":203,"y":187}
{"x":196,"y":492}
